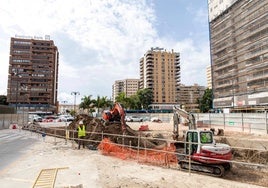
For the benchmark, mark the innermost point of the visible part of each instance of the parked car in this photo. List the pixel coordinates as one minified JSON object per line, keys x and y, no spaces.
{"x":51,"y":119}
{"x":35,"y":118}
{"x":134,"y":119}
{"x":66,"y":118}
{"x":156,"y":119}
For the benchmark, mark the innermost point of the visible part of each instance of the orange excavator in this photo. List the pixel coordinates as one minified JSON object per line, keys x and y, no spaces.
{"x":115,"y":114}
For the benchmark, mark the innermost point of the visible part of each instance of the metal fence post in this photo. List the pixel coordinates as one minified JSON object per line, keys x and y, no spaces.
{"x":224,"y":121}
{"x":3,"y":122}
{"x":66,"y":134}
{"x":242,"y":120}
{"x":266,"y":122}
{"x":190,"y":151}
{"x":55,"y":136}
{"x":209,"y":120}
{"x":139,"y":146}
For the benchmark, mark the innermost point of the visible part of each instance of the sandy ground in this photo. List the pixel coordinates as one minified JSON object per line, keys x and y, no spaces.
{"x":89,"y":168}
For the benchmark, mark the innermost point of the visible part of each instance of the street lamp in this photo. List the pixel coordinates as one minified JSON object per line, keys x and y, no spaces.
{"x":15,"y":72}
{"x":75,"y":93}
{"x":233,"y":93}
{"x":63,"y":108}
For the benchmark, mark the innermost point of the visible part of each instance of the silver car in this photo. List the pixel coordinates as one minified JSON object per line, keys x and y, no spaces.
{"x":66,"y":118}
{"x":134,"y":119}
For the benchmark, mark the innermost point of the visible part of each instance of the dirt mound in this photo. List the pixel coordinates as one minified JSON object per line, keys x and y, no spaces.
{"x":249,"y":155}
{"x":98,"y":129}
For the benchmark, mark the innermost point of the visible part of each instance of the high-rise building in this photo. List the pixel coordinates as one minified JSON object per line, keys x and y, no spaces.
{"x":33,"y":74}
{"x":127,"y":86}
{"x":239,"y":53}
{"x":160,"y":72}
{"x":208,"y":75}
{"x":189,"y":95}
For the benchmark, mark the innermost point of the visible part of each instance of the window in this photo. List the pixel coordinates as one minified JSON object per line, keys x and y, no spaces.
{"x":206,"y":137}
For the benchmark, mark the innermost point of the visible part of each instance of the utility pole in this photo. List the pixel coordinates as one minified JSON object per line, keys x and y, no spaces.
{"x":17,"y":77}
{"x":75,"y":93}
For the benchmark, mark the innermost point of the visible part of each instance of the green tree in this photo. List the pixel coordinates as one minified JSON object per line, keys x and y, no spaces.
{"x":205,"y":103}
{"x":122,"y":99}
{"x":134,"y":102}
{"x":3,"y":100}
{"x":145,"y":97}
{"x":72,"y":112}
{"x":102,"y":103}
{"x":87,"y":104}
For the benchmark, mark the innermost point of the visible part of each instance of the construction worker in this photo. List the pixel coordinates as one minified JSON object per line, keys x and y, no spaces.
{"x":81,"y":134}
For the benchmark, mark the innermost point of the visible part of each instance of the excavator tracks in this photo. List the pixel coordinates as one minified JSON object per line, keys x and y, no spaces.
{"x":214,"y":170}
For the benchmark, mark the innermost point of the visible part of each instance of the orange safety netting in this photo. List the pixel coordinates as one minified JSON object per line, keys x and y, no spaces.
{"x":161,"y":157}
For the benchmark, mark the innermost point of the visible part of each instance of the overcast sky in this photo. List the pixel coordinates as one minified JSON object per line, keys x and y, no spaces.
{"x":101,"y":41}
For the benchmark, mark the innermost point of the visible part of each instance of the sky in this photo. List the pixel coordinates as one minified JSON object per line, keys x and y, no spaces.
{"x":101,"y":41}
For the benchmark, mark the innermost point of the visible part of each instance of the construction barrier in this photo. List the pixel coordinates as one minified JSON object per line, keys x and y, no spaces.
{"x":160,"y":157}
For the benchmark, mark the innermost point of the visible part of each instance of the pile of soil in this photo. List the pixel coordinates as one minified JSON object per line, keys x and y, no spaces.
{"x":98,"y":129}
{"x":248,"y":155}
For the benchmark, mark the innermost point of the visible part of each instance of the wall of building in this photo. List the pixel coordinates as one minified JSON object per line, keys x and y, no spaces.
{"x":33,"y":74}
{"x":160,"y":72}
{"x":189,"y":95}
{"x":239,"y":54}
{"x":127,"y":86}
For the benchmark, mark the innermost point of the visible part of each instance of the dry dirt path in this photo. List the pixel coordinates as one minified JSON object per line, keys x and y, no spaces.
{"x":91,"y":169}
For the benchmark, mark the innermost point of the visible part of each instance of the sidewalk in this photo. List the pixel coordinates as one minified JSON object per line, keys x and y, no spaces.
{"x":52,"y":153}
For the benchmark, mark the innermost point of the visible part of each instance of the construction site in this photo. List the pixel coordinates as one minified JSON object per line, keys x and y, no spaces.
{"x":226,"y":155}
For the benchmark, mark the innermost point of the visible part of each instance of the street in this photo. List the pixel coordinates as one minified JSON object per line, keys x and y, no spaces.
{"x":13,"y":143}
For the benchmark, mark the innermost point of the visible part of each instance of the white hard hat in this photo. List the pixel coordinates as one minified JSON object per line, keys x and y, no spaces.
{"x":80,"y":122}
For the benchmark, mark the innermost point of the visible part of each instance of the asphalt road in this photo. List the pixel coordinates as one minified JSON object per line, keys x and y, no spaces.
{"x":12,"y":144}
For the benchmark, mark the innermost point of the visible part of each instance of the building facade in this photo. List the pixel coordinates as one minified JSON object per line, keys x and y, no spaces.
{"x":33,"y":74}
{"x":127,"y":86}
{"x":208,"y":75}
{"x":160,"y":72}
{"x":239,"y":53}
{"x":189,"y":96}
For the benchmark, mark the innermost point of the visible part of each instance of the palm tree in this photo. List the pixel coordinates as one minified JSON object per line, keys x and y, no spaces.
{"x":122,"y":99}
{"x":87,"y":104}
{"x":99,"y":103}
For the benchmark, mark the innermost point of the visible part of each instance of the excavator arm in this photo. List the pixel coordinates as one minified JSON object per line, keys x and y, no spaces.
{"x":189,"y":118}
{"x":115,"y":114}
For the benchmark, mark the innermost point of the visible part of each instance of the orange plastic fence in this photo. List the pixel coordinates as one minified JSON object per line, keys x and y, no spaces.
{"x":163,"y":157}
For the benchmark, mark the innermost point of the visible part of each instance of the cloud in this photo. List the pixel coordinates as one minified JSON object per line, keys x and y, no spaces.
{"x":98,"y":41}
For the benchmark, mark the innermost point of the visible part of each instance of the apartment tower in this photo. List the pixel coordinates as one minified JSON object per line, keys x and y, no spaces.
{"x":33,"y":74}
{"x":127,"y":86}
{"x":239,"y":53}
{"x":189,"y":95}
{"x":160,"y":72}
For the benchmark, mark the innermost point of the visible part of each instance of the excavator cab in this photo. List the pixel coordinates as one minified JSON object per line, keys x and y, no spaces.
{"x":195,"y":139}
{"x":191,"y":144}
{"x":115,"y":114}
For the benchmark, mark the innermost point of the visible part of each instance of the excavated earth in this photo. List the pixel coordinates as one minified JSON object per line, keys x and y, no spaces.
{"x":113,"y":130}
{"x":242,"y":153}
